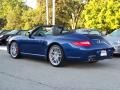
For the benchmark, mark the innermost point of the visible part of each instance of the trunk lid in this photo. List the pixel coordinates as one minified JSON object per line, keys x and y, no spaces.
{"x":96,"y":39}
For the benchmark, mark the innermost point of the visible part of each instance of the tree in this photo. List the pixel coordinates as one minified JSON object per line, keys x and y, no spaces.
{"x":14,"y":19}
{"x":102,"y":14}
{"x":11,"y":12}
{"x":33,"y":17}
{"x":40,"y":13}
{"x":68,"y":12}
{"x":2,"y":23}
{"x":27,"y":19}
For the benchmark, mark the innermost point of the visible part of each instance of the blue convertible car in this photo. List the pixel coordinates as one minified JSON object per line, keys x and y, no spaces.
{"x":57,"y":44}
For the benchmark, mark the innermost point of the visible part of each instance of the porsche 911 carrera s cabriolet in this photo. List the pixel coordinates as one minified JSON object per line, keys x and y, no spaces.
{"x":57,"y":44}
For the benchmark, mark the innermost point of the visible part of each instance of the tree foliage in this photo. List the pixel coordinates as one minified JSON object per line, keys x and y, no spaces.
{"x":11,"y":12}
{"x":68,"y":12}
{"x":102,"y":14}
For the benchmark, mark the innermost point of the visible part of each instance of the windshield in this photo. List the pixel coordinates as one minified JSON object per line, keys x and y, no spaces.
{"x":116,"y":33}
{"x":49,"y":31}
{"x":42,"y":31}
{"x":13,"y":32}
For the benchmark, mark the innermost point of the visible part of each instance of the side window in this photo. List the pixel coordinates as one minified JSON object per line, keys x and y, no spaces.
{"x":43,"y":31}
{"x":48,"y":31}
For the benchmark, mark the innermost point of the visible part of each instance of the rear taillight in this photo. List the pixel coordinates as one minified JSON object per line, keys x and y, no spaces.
{"x":82,"y":43}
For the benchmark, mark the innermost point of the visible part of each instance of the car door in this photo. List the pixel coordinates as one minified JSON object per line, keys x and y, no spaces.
{"x":35,"y":44}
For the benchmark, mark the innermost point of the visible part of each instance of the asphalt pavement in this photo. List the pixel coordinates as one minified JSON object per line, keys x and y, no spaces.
{"x":30,"y":73}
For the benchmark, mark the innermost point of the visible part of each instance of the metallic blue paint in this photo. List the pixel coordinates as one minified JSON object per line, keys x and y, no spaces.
{"x":39,"y":46}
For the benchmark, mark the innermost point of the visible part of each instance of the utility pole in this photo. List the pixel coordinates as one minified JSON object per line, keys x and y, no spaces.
{"x":47,"y":14}
{"x":53,"y":13}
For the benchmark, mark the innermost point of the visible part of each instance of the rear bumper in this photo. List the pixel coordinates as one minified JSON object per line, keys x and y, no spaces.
{"x":89,"y":55}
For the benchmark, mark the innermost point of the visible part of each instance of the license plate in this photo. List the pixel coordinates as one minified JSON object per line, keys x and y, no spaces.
{"x":103,"y":53}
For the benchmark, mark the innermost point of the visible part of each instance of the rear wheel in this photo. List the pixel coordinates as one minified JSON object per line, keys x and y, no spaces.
{"x":56,"y":55}
{"x":14,"y":51}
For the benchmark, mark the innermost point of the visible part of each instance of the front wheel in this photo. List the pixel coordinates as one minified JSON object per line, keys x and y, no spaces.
{"x":14,"y":52}
{"x":56,"y":55}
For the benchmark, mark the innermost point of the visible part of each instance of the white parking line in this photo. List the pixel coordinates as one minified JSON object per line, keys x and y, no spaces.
{"x":4,"y":48}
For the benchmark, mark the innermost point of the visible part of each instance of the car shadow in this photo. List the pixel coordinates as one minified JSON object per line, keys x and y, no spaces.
{"x":86,"y":65}
{"x":34,"y":59}
{"x":70,"y":64}
{"x":116,"y":55}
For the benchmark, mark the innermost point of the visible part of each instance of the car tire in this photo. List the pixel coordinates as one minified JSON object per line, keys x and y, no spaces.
{"x":56,"y":56}
{"x":14,"y":50}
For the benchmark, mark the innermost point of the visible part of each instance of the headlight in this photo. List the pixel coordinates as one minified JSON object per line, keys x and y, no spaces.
{"x":1,"y":36}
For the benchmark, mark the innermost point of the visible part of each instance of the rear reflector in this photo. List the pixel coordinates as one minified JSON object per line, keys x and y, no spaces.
{"x":82,"y":43}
